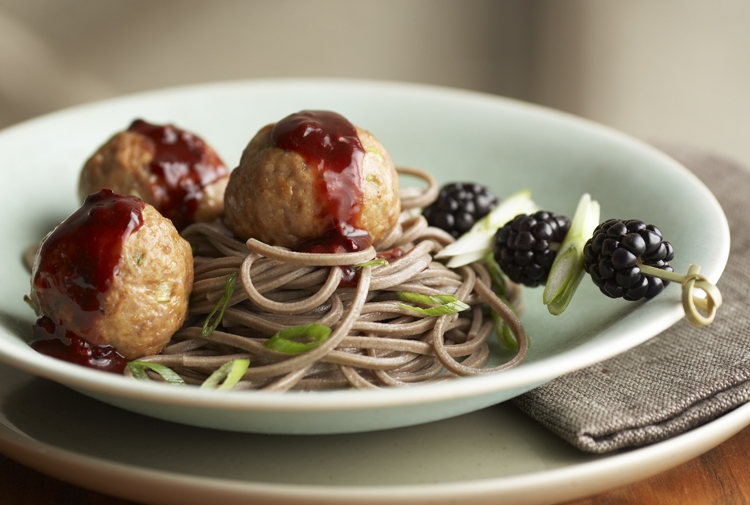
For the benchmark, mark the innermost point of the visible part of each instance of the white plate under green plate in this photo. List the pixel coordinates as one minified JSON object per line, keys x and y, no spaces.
{"x":456,"y":135}
{"x":489,"y":456}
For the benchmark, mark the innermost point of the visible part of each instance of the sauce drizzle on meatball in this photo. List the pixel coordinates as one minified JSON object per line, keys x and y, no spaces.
{"x":62,"y":344}
{"x":328,"y":141}
{"x":183,"y":166}
{"x":75,"y":267}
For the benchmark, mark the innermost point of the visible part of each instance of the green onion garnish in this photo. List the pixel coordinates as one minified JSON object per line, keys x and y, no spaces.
{"x":499,"y":286}
{"x":377,"y":155}
{"x":567,"y":270}
{"x":502,"y":331}
{"x":230,"y":372}
{"x":477,"y":242}
{"x":164,"y":291}
{"x":286,"y":340}
{"x":221,"y":306}
{"x":441,"y":305}
{"x":138,"y":369}
{"x":376,"y":262}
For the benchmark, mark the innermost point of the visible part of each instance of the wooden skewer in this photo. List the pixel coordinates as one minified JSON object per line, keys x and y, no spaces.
{"x":691,"y":302}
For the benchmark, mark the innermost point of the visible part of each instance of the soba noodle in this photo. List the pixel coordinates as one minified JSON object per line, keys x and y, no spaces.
{"x":375,"y":340}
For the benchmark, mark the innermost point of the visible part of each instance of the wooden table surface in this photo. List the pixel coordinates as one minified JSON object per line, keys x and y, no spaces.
{"x":718,"y":477}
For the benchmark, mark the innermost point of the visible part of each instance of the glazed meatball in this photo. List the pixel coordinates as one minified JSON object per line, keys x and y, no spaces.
{"x":169,"y":168}
{"x":115,"y":273}
{"x":310,"y":175}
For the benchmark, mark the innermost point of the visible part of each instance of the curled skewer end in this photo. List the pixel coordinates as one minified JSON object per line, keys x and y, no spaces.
{"x":699,"y":310}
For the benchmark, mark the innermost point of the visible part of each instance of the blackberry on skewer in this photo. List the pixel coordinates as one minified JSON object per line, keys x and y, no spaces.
{"x":615,"y":252}
{"x":459,"y":206}
{"x":525,"y":247}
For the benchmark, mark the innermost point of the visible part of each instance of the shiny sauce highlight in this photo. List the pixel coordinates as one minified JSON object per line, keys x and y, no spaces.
{"x":183,"y":165}
{"x":328,"y":143}
{"x":55,"y":341}
{"x":74,"y":271}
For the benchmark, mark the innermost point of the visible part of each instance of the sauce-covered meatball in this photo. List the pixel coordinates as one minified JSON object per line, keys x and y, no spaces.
{"x":169,"y":168}
{"x":110,"y":283}
{"x":313,"y":182}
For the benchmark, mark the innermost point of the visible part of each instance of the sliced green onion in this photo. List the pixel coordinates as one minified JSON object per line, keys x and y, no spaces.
{"x":567,"y":270}
{"x":286,"y":340}
{"x":441,"y":305}
{"x":499,"y":285}
{"x":377,"y":155}
{"x":221,"y":306}
{"x":230,"y":372}
{"x":376,"y":262}
{"x":476,"y":243}
{"x":502,"y":330}
{"x":164,"y":291}
{"x":138,"y":369}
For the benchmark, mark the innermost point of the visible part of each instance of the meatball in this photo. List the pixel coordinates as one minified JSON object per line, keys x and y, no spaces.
{"x":169,"y":168}
{"x":115,"y":273}
{"x":313,"y":174}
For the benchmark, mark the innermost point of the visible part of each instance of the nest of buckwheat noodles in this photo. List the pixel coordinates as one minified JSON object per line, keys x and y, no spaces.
{"x":375,"y":341}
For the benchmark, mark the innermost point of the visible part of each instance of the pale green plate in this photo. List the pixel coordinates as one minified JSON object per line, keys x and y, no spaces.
{"x":456,"y":135}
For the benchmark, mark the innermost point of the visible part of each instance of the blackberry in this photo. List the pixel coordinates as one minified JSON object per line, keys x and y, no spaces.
{"x":526,"y":246}
{"x":459,"y":206}
{"x":613,"y":254}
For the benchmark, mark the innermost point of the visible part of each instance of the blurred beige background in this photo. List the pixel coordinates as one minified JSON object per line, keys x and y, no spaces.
{"x":673,"y":71}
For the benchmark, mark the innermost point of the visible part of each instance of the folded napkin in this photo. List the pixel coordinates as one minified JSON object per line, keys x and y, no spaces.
{"x":683,"y":377}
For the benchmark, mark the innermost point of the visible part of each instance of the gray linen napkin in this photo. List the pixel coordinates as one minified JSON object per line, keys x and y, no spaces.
{"x":683,"y":377}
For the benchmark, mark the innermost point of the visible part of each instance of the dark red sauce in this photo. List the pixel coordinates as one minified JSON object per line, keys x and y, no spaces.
{"x":77,"y":263}
{"x":337,"y":240}
{"x":329,"y":142}
{"x":350,"y":275}
{"x":54,"y":341}
{"x":392,"y":254}
{"x":183,"y":165}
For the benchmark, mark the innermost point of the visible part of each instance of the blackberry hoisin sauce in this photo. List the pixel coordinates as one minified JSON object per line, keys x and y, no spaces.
{"x":183,"y":166}
{"x":329,"y":142}
{"x":77,"y":263}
